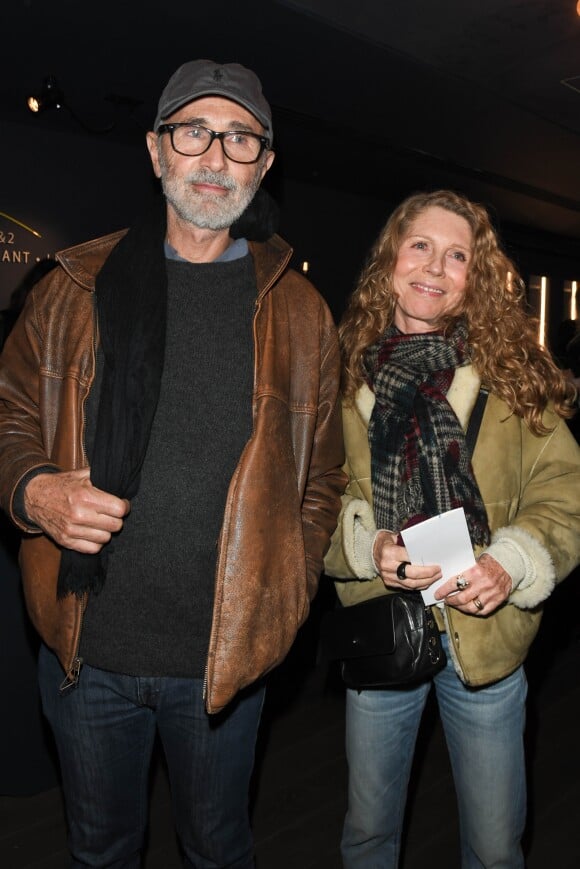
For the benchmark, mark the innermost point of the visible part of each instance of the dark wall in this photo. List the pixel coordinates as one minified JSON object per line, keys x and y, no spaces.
{"x":69,"y":187}
{"x":66,"y":188}
{"x":59,"y":190}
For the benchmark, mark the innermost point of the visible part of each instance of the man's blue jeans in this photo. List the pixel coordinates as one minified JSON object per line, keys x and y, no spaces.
{"x":105,"y":730}
{"x":484,"y":732}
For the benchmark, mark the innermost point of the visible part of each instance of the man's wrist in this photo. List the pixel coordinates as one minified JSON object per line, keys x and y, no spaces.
{"x":18,"y":502}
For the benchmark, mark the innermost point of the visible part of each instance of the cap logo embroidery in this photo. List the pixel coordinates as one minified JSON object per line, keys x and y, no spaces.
{"x":218,"y":75}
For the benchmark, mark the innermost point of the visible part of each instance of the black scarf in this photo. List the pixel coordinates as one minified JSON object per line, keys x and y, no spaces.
{"x":420,"y":464}
{"x":131,"y":300}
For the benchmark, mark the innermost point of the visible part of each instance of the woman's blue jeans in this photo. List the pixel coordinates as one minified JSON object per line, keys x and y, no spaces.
{"x":105,"y":729}
{"x":484,"y":731}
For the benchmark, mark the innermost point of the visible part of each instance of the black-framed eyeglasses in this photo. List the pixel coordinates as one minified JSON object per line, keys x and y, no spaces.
{"x":191,"y":140}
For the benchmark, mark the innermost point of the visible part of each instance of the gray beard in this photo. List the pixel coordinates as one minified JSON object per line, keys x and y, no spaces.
{"x":211,"y":212}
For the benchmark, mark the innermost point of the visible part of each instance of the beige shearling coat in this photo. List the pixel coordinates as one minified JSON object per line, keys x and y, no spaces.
{"x":531,"y":490}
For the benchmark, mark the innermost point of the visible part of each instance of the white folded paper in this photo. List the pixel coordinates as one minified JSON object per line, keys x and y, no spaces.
{"x":442,"y":540}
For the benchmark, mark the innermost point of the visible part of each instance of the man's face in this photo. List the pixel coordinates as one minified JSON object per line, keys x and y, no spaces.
{"x":209,"y":191}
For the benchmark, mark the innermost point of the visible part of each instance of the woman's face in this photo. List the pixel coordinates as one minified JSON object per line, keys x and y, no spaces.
{"x":430,"y":273}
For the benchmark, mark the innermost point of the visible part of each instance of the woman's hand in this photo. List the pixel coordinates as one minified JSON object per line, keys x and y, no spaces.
{"x":477,"y":591}
{"x":390,"y":557}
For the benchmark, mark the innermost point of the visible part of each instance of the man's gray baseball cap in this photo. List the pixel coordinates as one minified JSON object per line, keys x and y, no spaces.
{"x":204,"y":78}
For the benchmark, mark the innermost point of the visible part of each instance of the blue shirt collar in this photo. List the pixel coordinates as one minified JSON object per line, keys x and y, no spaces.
{"x":237,"y":249}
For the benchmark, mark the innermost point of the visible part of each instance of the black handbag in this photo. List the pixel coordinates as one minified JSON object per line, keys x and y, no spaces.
{"x":384,"y":642}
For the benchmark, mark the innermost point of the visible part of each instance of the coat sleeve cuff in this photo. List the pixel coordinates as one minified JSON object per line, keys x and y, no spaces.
{"x":528,"y":563}
{"x":18,"y":498}
{"x":358,"y":534}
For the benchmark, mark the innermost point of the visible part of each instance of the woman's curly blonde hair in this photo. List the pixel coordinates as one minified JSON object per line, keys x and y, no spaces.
{"x":502,"y":336}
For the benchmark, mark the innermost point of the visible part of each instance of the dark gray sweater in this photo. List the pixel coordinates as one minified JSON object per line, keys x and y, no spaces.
{"x":153,"y":616}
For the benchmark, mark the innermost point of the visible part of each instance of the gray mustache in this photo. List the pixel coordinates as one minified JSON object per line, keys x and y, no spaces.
{"x":205,"y":176}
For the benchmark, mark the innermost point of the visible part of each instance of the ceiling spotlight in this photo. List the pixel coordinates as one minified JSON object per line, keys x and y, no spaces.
{"x":50,"y":97}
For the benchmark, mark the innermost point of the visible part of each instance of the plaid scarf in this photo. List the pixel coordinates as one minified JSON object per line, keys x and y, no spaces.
{"x":420,"y":464}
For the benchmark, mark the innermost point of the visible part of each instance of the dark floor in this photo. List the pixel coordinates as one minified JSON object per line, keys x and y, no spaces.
{"x":300,"y":781}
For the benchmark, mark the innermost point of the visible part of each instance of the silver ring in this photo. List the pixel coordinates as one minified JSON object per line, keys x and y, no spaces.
{"x":478,"y":603}
{"x":401,"y":569}
{"x":461,"y":583}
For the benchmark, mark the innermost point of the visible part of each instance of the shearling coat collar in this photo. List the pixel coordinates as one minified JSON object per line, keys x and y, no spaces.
{"x":462,"y":395}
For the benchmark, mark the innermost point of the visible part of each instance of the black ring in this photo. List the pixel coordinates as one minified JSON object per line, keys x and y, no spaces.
{"x":401,"y":569}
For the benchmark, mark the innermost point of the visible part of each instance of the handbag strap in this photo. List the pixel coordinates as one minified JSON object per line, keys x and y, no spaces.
{"x":475,"y":420}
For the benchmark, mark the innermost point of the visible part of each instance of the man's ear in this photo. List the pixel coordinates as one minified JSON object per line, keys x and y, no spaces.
{"x":267,"y":163}
{"x":152,"y":140}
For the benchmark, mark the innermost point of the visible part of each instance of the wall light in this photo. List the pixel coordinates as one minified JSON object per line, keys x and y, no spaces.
{"x":539,"y":302}
{"x":50,"y":97}
{"x":543,"y":308}
{"x":571,"y":289}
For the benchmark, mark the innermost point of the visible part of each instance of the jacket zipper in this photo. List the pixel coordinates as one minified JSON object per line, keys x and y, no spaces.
{"x":257,"y":306}
{"x":71,"y":679}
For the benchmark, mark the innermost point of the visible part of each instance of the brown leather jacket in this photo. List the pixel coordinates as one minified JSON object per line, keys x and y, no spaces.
{"x":284,"y":497}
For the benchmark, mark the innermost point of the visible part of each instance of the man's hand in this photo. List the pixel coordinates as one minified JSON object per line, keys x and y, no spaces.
{"x":72,"y":511}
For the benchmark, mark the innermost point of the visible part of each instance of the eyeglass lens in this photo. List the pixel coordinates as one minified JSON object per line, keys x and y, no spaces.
{"x":192,"y":140}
